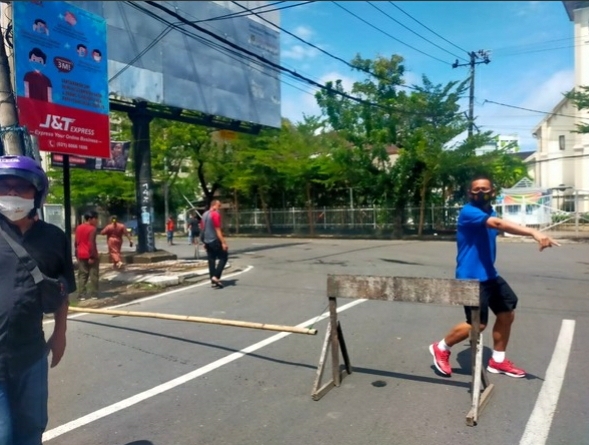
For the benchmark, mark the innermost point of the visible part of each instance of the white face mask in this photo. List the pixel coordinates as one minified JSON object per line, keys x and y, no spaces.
{"x":15,"y":208}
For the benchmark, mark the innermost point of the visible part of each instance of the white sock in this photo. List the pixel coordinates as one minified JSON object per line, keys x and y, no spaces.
{"x":442,"y":346}
{"x":498,"y":356}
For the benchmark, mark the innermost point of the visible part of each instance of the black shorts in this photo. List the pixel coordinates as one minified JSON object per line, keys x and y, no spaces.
{"x":495,"y":294}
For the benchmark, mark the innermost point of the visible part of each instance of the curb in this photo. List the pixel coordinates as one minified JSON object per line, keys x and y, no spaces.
{"x":162,"y":280}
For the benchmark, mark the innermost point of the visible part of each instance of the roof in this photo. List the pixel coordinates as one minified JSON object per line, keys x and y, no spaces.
{"x":523,"y":154}
{"x":555,"y":110}
{"x":571,"y":6}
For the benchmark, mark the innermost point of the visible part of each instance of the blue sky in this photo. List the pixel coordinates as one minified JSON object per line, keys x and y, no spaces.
{"x":532,"y":46}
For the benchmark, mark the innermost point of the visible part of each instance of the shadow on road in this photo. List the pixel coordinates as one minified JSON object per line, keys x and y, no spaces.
{"x":249,"y":249}
{"x":193,"y":342}
{"x":413,"y":378}
{"x":389,"y":260}
{"x":463,"y":358}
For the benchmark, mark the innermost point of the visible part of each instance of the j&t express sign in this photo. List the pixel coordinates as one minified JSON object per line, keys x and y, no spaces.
{"x":62,"y":77}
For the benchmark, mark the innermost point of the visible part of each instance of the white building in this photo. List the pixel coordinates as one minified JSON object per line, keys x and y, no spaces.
{"x":562,"y":158}
{"x":507,"y":142}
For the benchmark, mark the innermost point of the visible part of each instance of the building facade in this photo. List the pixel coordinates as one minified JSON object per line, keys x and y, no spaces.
{"x":561,"y":161}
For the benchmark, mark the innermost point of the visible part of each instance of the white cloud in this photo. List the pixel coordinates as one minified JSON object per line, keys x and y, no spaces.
{"x":303,"y":32}
{"x":296,"y":104}
{"x":531,"y":92}
{"x":549,"y":93}
{"x":299,"y":52}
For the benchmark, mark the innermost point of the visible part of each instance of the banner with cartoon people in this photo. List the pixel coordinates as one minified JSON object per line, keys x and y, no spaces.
{"x":62,"y":77}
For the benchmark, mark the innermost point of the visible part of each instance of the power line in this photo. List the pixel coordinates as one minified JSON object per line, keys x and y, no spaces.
{"x":529,"y":109}
{"x":274,"y":65}
{"x":428,"y":28}
{"x":388,"y":35}
{"x":222,"y":17}
{"x":416,"y":33}
{"x":502,"y":48}
{"x":327,"y":53}
{"x":541,"y":50}
{"x":231,"y":54}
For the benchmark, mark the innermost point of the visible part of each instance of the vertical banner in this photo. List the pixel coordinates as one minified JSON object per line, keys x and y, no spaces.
{"x":62,"y":77}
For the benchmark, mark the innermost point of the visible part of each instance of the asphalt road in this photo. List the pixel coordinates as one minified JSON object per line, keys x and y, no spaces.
{"x":135,"y":381}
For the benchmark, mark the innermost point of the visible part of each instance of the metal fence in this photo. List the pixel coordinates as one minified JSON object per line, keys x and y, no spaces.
{"x":378,"y":221}
{"x":326,"y":220}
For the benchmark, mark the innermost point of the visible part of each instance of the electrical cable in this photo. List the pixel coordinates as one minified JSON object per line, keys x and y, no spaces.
{"x":168,"y":29}
{"x":327,"y":53}
{"x":269,"y":62}
{"x":539,"y":50}
{"x":528,"y":109}
{"x":232,"y":54}
{"x":389,"y":35}
{"x":428,"y":28}
{"x":414,"y":32}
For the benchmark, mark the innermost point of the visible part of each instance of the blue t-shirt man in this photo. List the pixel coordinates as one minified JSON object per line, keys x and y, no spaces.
{"x":477,"y":244}
{"x":476,"y":237}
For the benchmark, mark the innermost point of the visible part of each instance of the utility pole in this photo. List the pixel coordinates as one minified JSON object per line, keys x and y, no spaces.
{"x":13,"y":141}
{"x":483,"y":55}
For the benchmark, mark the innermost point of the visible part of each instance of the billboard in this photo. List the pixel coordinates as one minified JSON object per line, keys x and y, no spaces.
{"x":117,"y":161}
{"x":193,"y":72}
{"x":61,"y":77}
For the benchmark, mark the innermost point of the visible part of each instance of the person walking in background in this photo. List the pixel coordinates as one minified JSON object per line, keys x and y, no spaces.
{"x":87,"y":256}
{"x":114,"y":239}
{"x":478,"y":226}
{"x":215,"y":243}
{"x":193,"y":228}
{"x":23,"y":349}
{"x":170,"y":227}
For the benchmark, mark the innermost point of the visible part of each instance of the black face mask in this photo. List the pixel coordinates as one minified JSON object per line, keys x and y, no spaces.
{"x":481,"y":199}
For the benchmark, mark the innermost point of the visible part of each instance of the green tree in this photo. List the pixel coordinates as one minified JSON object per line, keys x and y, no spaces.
{"x":580,"y":99}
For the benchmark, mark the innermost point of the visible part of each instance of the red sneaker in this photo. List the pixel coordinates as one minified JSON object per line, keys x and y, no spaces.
{"x":441,"y":359}
{"x":505,"y":367}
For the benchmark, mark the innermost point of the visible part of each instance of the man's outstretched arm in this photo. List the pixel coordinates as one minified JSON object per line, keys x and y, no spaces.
{"x":515,"y":229}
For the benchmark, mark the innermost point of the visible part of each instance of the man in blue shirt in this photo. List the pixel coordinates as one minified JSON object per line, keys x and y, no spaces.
{"x":478,"y":226}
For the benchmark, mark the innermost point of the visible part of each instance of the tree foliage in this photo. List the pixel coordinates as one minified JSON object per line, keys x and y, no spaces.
{"x":580,"y":98}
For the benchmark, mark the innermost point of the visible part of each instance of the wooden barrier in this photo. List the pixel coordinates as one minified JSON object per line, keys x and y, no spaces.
{"x":407,"y":289}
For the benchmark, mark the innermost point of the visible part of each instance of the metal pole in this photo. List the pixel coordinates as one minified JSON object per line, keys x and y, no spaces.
{"x":577,"y":213}
{"x":67,"y":199}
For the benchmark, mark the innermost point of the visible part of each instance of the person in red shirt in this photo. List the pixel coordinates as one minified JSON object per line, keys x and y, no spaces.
{"x":170,"y":227}
{"x":37,"y":85}
{"x":215,"y":244}
{"x":87,"y":256}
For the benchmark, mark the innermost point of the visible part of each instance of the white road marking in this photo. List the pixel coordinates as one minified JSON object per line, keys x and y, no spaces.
{"x":126,"y":403}
{"x":538,"y":426}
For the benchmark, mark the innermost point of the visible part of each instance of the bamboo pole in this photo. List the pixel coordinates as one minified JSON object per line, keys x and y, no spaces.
{"x":219,"y":321}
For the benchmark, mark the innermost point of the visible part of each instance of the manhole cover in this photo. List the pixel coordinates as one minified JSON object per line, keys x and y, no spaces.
{"x":379,"y":383}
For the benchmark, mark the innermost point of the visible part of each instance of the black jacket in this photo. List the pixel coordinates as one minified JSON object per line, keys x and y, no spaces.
{"x":22,"y":341}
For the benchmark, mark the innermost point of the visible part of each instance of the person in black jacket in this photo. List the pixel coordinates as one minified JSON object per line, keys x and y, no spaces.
{"x":23,"y":349}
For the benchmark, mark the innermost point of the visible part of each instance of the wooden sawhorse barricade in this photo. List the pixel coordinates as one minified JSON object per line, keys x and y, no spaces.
{"x":408,"y":289}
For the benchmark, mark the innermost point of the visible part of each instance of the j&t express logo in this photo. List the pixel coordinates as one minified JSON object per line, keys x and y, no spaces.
{"x":63,"y":123}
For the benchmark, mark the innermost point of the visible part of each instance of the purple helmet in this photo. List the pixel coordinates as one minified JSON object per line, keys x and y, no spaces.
{"x":29,"y":170}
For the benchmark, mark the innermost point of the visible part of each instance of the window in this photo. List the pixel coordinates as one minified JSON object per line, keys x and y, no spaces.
{"x":561,"y":144}
{"x":513,"y":209}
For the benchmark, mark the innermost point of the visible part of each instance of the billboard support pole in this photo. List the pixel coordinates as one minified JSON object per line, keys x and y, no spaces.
{"x":140,"y":119}
{"x":13,"y":142}
{"x":67,"y":198}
